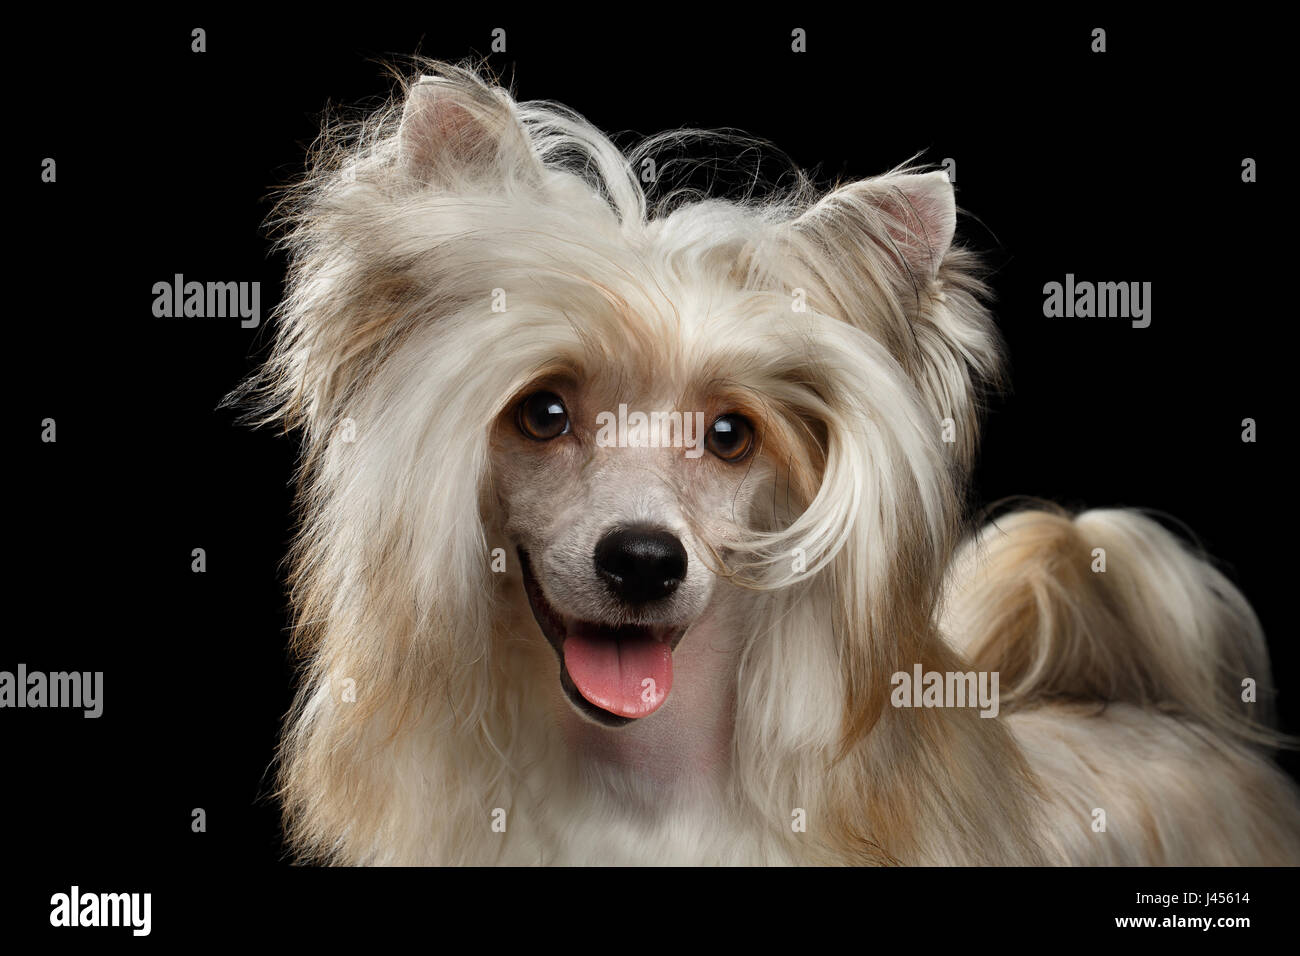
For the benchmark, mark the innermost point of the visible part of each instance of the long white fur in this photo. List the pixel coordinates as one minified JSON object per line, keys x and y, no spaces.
{"x":398,"y":235}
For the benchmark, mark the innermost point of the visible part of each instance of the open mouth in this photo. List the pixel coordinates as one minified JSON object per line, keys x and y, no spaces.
{"x":612,"y":674}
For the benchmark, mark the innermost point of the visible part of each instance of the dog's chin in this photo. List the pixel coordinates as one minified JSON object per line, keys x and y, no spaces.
{"x":611,"y":674}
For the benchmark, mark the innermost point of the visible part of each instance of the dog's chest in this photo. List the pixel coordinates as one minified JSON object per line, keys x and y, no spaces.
{"x":609,"y":835}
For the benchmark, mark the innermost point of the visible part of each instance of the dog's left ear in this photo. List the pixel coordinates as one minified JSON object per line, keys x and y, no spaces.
{"x":879,"y":254}
{"x":925,"y":210}
{"x":910,"y":218}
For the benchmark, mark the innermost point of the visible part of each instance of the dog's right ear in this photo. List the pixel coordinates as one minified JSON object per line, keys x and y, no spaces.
{"x":459,"y":130}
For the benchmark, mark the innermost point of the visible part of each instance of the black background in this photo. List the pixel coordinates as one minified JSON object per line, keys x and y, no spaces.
{"x":1123,"y":166}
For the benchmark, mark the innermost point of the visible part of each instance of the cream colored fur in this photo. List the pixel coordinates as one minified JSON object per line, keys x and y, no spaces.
{"x":429,"y":707}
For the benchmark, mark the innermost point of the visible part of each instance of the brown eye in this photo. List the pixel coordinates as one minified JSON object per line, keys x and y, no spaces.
{"x":730,"y":437}
{"x":542,"y":416}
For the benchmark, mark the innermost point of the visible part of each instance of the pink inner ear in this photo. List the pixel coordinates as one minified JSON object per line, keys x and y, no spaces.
{"x":454,"y":124}
{"x":438,"y":131}
{"x":920,"y":218}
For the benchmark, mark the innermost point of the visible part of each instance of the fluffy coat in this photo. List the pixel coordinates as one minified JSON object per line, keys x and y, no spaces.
{"x":429,"y":727}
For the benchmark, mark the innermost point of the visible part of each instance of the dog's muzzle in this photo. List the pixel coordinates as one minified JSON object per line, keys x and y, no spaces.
{"x":616,"y":673}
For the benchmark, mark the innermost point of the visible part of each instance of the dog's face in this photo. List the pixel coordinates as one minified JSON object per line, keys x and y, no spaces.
{"x":621,"y":493}
{"x":657,"y":412}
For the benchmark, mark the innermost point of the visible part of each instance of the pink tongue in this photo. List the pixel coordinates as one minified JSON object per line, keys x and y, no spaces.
{"x":628,"y":676}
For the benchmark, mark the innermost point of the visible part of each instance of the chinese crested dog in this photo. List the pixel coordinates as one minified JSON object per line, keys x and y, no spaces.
{"x":633,"y":534}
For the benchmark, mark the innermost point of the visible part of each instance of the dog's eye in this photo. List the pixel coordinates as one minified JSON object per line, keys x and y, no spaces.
{"x":731,"y":438}
{"x":542,"y":416}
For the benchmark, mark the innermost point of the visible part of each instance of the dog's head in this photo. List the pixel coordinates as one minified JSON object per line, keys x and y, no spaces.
{"x":487,"y":334}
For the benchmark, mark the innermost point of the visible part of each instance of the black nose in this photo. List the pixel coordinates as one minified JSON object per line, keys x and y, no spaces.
{"x":641,"y":564}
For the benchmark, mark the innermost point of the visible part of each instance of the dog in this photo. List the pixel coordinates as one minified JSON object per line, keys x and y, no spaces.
{"x":633,"y":534}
